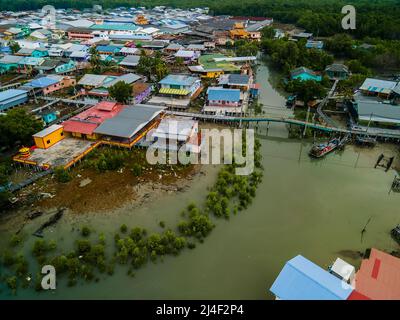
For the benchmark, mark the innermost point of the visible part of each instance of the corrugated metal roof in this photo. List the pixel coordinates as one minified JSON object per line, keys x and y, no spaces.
{"x":179,"y":80}
{"x":185,"y":54}
{"x":377,"y":111}
{"x":301,"y":279}
{"x":130,"y":60}
{"x":128,"y":78}
{"x":175,"y":128}
{"x":115,"y":26}
{"x":9,"y":59}
{"x":215,"y":93}
{"x":377,"y":85}
{"x":11,"y":93}
{"x":42,"y":82}
{"x":181,"y":92}
{"x":47,"y":131}
{"x":129,"y":121}
{"x":108,"y":48}
{"x":379,"y":276}
{"x":87,"y":121}
{"x":92,"y":80}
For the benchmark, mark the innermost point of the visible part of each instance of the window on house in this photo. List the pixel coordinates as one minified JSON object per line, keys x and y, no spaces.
{"x":62,"y":134}
{"x":48,"y":141}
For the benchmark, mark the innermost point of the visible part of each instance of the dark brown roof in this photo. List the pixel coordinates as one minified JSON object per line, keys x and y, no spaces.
{"x":139,"y":87}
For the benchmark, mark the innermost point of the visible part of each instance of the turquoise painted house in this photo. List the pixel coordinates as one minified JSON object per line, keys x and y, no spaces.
{"x":49,"y":117}
{"x":65,"y":67}
{"x":40,"y":53}
{"x":9,"y":62}
{"x":304,"y":74}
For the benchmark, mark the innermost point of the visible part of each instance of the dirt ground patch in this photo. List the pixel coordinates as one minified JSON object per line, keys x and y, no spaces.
{"x":106,"y":191}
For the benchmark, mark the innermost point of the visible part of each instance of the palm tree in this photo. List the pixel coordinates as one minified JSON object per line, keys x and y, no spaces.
{"x":95,"y":60}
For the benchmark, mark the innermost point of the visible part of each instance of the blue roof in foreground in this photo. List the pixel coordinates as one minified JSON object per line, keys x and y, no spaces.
{"x":11,"y":93}
{"x":178,"y":80}
{"x":301,"y":279}
{"x":223,"y":94}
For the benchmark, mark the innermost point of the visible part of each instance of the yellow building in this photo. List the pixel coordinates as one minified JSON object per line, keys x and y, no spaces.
{"x":141,"y":19}
{"x":212,"y":74}
{"x":238,"y":31}
{"x":49,"y":136}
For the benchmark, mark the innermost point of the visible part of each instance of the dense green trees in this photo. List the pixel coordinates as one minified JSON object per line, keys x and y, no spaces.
{"x":287,"y":55}
{"x":154,"y":68}
{"x":245,"y":48}
{"x":341,"y":45}
{"x":17,"y":128}
{"x":120,"y":91}
{"x":306,"y":91}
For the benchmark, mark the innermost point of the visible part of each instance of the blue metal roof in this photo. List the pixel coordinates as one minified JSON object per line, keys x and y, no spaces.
{"x":108,"y":48}
{"x":301,"y":279}
{"x":42,"y":82}
{"x":178,"y":80}
{"x":232,"y":95}
{"x":11,"y":93}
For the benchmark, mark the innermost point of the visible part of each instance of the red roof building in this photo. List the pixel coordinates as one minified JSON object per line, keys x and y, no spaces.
{"x":379,"y":277}
{"x":87,"y":121}
{"x":355,"y":295}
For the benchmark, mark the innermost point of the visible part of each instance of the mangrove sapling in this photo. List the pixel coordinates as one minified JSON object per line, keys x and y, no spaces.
{"x":123,"y":228}
{"x":85,"y":232}
{"x":12,"y":283}
{"x":21,"y":266}
{"x":102,"y":239}
{"x":40,"y":248}
{"x":15,"y":240}
{"x":8,"y":258}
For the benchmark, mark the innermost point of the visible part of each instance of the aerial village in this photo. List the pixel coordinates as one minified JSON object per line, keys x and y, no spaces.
{"x":75,"y":105}
{"x":70,"y":72}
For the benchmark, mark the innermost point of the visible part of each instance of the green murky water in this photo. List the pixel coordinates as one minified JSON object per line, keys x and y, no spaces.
{"x":313,"y":208}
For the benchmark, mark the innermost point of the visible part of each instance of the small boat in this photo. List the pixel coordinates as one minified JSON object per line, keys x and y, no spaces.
{"x":366,"y":141}
{"x":320,"y":150}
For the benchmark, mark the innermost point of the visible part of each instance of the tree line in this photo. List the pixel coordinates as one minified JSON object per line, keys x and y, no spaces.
{"x":322,"y":17}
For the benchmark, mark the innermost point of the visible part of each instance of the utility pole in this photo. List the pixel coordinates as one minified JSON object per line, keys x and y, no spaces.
{"x":369,"y":122}
{"x":305,"y":126}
